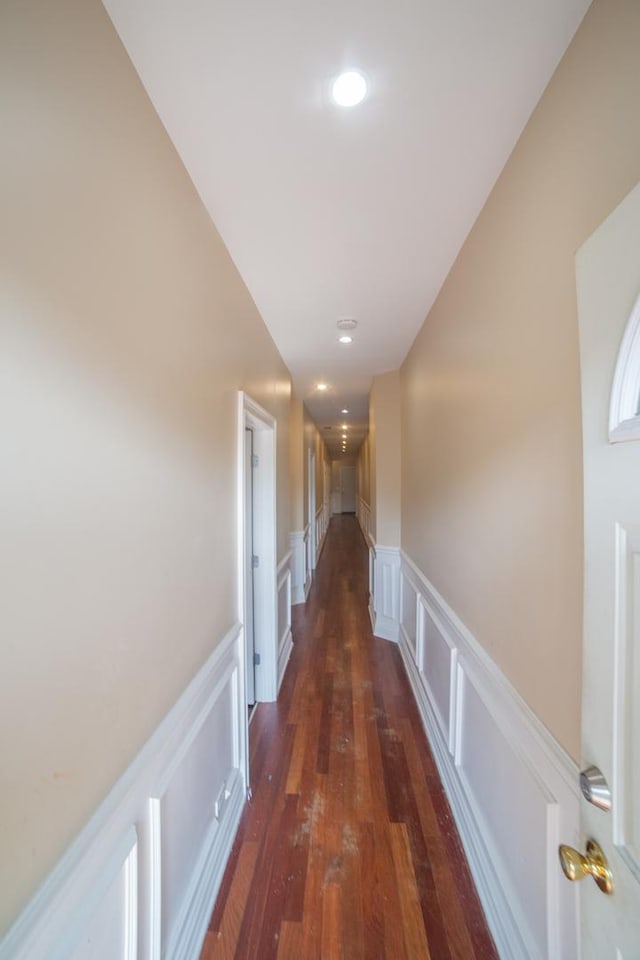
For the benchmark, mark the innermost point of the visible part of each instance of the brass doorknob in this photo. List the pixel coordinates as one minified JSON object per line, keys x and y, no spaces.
{"x":575,"y":866}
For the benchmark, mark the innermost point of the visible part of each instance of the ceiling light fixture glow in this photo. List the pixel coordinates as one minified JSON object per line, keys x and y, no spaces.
{"x":321,"y":386}
{"x":344,"y":410}
{"x":349,"y":89}
{"x":345,"y":338}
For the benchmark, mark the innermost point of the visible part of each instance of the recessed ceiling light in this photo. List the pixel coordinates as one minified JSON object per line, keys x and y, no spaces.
{"x":349,"y":89}
{"x":345,"y":338}
{"x":321,"y":386}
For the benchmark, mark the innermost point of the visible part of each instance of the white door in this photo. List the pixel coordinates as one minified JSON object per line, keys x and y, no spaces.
{"x":249,"y":553}
{"x":311,"y":565}
{"x":348,"y":489}
{"x":608,"y":285}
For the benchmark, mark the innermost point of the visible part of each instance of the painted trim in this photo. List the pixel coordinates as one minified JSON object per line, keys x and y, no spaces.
{"x":122,"y":847}
{"x":386,"y":592}
{"x":512,"y":788}
{"x":264,"y":425}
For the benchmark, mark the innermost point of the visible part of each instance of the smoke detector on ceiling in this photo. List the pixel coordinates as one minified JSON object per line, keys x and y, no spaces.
{"x":347,"y":323}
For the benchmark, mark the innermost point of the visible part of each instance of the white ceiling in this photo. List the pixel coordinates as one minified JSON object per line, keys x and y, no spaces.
{"x":331,"y":212}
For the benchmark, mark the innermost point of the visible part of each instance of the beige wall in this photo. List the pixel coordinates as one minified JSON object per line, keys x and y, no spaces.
{"x":125,"y":333}
{"x":384,"y":425}
{"x":492,"y":484}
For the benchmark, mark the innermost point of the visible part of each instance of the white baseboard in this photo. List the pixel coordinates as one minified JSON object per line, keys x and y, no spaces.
{"x":513,"y":790}
{"x":141,"y":878}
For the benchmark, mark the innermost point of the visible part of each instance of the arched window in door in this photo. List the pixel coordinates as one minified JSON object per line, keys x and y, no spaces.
{"x":624,"y":410}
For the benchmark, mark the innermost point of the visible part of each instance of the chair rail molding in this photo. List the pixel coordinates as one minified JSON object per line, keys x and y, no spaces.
{"x":512,"y":788}
{"x":141,"y":878}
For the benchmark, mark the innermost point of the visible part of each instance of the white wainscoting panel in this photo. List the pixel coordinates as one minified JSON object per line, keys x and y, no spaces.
{"x":308,"y":561}
{"x":372,"y":583}
{"x":409,"y":617}
{"x":512,"y":788}
{"x":297,"y":566}
{"x":285,"y":637}
{"x":386,"y":592}
{"x":437,"y":667}
{"x":323,"y":516}
{"x":112,"y":912}
{"x":141,"y":878}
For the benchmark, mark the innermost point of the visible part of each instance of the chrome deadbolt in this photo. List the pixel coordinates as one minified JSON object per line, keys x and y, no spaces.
{"x":595,"y":788}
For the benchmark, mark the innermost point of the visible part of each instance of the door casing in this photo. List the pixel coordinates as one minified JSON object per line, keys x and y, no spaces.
{"x":265,"y":627}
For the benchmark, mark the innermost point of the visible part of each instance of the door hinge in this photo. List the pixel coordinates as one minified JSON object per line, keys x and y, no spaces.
{"x":256,"y":659}
{"x":255,"y":460}
{"x":255,"y":562}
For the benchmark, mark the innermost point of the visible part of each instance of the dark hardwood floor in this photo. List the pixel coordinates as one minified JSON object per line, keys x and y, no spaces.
{"x":348,"y":849}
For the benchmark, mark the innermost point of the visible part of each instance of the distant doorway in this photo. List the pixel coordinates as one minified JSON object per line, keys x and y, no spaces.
{"x":249,"y":555}
{"x":348,"y":489}
{"x":312,"y":512}
{"x":257,"y":553}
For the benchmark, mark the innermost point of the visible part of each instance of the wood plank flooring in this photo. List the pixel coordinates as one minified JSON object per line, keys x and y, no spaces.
{"x":348,"y":850}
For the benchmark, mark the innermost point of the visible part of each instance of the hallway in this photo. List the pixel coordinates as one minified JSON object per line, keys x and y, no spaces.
{"x":347,"y":849}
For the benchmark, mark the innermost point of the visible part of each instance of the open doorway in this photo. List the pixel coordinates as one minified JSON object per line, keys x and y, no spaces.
{"x":348,"y":489}
{"x":311,"y":560}
{"x":250,"y":558}
{"x":257,"y":602}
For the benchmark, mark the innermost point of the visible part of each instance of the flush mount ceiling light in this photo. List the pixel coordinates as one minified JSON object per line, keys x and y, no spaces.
{"x":344,"y":410}
{"x":321,"y":386}
{"x":346,"y":325}
{"x":349,"y":89}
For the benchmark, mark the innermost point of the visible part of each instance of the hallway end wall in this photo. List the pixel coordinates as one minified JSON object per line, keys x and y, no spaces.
{"x":126,"y":335}
{"x":491,"y":461}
